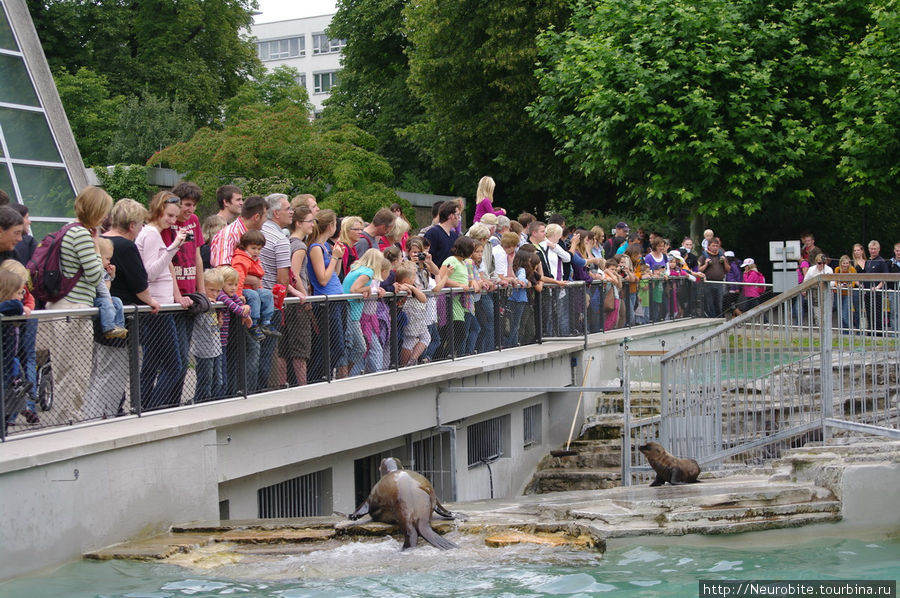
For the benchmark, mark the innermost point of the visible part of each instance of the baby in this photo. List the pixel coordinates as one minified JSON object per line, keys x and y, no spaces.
{"x":708,"y":235}
{"x":112,"y":315}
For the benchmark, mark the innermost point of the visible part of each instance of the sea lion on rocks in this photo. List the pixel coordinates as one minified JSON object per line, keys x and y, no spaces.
{"x":407,"y":499}
{"x":668,"y":468}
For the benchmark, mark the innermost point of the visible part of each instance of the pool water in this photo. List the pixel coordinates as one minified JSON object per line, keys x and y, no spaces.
{"x":378,"y":569}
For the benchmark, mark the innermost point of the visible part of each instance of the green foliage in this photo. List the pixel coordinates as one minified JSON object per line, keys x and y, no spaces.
{"x":91,"y":110}
{"x":365,"y":201}
{"x":125,"y":181}
{"x":277,"y":149}
{"x":868,"y":111}
{"x":146,"y":125}
{"x":373,"y":93}
{"x":719,"y":105}
{"x":472,"y":69}
{"x":196,"y":50}
{"x":278,"y":88}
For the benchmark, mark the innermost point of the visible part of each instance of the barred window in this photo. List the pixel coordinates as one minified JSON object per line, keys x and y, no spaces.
{"x":303,"y":496}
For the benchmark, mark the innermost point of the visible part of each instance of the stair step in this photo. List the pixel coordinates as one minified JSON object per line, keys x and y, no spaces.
{"x":754,"y":512}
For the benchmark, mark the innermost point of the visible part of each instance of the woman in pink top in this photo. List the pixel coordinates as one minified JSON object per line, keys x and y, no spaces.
{"x":161,"y":366}
{"x":485,"y":196}
{"x":752,"y":294}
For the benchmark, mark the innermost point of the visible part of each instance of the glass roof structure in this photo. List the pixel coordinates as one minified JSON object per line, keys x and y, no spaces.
{"x":39,"y":162}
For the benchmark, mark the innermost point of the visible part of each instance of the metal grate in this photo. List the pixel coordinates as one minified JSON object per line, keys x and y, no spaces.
{"x":485,"y":441}
{"x":298,"y":497}
{"x":532,"y":425}
{"x":432,"y":457}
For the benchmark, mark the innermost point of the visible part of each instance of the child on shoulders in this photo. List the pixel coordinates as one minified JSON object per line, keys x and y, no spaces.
{"x":261,"y":301}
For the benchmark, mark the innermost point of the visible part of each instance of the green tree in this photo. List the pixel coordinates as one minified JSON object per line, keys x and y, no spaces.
{"x":91,"y":109}
{"x":721,"y":106}
{"x":196,"y":50}
{"x":146,"y":125}
{"x":868,"y":111}
{"x":373,"y":93}
{"x":278,"y":88}
{"x":125,"y":181}
{"x":472,"y":68}
{"x":278,"y":149}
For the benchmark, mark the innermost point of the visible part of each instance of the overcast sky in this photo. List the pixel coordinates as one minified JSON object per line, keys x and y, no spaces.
{"x":280,"y":10}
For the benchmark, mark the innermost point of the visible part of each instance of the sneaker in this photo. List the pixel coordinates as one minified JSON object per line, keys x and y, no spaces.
{"x":270,"y":331}
{"x":256,"y":333}
{"x":30,"y":416}
{"x":117,"y":332}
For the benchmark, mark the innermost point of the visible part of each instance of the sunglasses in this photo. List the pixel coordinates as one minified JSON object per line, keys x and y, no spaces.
{"x":173,"y":199}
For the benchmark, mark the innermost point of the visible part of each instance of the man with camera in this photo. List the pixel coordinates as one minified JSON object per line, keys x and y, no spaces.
{"x":714,"y":266}
{"x":187,"y":262}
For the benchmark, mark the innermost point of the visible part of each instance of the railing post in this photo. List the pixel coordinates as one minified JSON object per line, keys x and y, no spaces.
{"x":3,"y":389}
{"x":826,"y":369}
{"x":498,"y":323}
{"x":626,"y":418}
{"x":586,"y":289}
{"x":243,"y":335}
{"x":325,"y":330}
{"x":538,"y":317}
{"x":134,"y":362}
{"x":395,"y":344}
{"x":449,"y":315}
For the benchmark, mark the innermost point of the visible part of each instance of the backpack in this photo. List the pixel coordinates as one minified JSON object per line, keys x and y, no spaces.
{"x":48,"y":282}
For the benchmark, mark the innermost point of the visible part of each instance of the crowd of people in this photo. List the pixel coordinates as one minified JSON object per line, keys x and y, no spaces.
{"x":555,"y":280}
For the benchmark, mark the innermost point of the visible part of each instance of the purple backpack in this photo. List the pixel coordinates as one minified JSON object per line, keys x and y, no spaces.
{"x":48,"y":282}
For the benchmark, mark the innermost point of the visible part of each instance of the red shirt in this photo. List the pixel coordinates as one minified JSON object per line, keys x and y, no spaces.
{"x":185,"y":260}
{"x":246,"y":266}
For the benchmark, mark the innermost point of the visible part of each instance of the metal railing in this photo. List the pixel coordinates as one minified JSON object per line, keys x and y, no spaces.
{"x":59,"y":370}
{"x":820,"y":360}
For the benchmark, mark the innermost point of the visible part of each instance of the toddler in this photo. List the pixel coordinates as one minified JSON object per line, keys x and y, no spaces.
{"x":708,"y":235}
{"x":206,"y":344}
{"x":12,"y":295}
{"x":261,"y":301}
{"x":112,"y":315}
{"x":362,"y":342}
{"x":415,"y":335}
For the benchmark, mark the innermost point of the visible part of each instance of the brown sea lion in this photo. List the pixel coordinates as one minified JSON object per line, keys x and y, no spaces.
{"x":407,"y":499}
{"x":668,"y":468}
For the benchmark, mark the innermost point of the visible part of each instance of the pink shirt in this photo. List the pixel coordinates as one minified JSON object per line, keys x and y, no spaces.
{"x":753,"y":276}
{"x":486,"y":207}
{"x":156,"y":257}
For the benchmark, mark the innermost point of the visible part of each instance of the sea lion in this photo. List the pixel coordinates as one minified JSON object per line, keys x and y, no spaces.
{"x":668,"y":468}
{"x":407,"y":499}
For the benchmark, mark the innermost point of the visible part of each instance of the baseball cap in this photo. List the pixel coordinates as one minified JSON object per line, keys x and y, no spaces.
{"x":729,"y":254}
{"x":621,"y":225}
{"x":747,"y":262}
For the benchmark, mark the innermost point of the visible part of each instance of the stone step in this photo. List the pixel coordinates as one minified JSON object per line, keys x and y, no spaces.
{"x":562,"y":480}
{"x":748,"y":513}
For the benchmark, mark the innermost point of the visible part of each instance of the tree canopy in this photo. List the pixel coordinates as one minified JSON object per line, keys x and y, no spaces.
{"x":194,"y":50}
{"x":277,"y":149}
{"x":720,"y":105}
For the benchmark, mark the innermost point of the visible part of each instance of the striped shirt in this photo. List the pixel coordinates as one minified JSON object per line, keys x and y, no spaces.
{"x":223,"y":244}
{"x":77,"y":251}
{"x":275,"y":254}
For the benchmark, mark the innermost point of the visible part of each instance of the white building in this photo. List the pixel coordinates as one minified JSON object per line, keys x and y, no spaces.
{"x":303,"y":45}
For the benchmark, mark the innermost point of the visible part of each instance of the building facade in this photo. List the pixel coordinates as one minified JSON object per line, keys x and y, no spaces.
{"x":303,"y":45}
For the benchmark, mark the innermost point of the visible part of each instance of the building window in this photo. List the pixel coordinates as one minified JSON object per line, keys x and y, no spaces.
{"x":323,"y":45}
{"x":301,"y":80}
{"x":487,"y":440}
{"x":323,"y":82}
{"x":279,"y":49}
{"x":532,"y":422}
{"x":304,"y":496}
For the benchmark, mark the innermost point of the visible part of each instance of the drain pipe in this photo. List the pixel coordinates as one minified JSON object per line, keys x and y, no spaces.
{"x":487,"y":463}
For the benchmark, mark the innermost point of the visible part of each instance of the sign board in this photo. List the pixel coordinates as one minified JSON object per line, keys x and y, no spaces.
{"x":780,"y":251}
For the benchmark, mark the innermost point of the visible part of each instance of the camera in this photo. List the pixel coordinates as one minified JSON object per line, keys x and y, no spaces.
{"x":420,"y":256}
{"x":189,"y":236}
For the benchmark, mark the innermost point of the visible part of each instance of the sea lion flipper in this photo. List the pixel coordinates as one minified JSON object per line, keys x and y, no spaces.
{"x":659,"y":481}
{"x":362,"y":510}
{"x":443,"y":511}
{"x":434,"y":538}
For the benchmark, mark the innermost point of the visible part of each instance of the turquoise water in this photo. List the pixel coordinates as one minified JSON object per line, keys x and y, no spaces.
{"x":378,"y":569}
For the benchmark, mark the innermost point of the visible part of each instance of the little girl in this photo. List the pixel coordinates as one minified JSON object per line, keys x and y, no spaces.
{"x":363,"y":278}
{"x":525,"y":265}
{"x":12,"y":294}
{"x":485,"y":197}
{"x":415,"y":335}
{"x":206,"y":343}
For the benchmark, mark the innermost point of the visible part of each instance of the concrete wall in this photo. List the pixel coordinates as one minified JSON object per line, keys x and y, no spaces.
{"x":141,"y":475}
